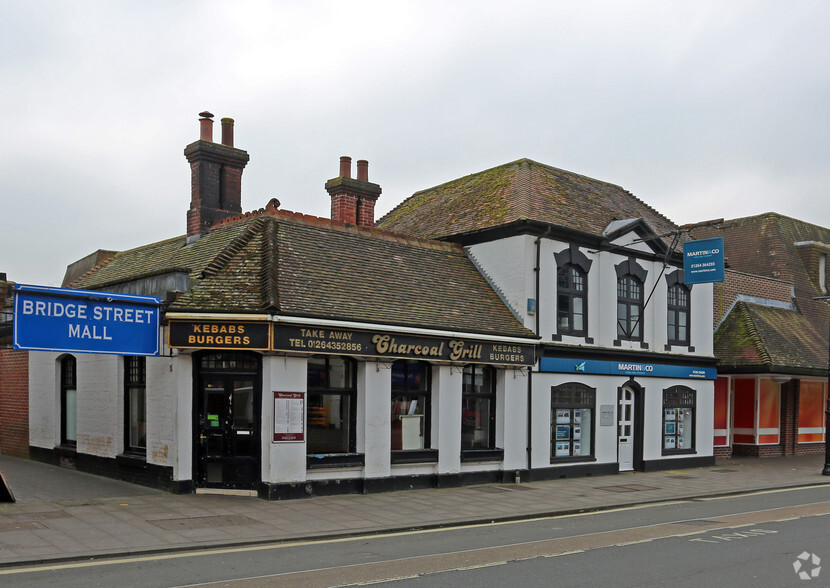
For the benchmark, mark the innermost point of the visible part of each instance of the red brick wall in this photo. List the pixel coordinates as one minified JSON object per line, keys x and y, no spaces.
{"x":736,"y":283}
{"x":14,"y":402}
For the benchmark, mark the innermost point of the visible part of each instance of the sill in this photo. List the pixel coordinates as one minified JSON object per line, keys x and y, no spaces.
{"x":334,"y":460}
{"x":557,"y":337}
{"x":679,"y":451}
{"x":572,"y":459}
{"x":482,"y":455}
{"x":132,"y":459}
{"x":689,"y":348}
{"x":414,"y":456}
{"x":68,"y":450}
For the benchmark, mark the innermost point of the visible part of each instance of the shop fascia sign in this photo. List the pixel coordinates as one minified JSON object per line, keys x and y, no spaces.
{"x":85,"y":321}
{"x":263,"y":336}
{"x":703,"y":261}
{"x":400,"y":346}
{"x":625,"y":368}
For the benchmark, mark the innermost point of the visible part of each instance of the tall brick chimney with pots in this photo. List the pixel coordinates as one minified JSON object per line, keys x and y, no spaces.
{"x":353,"y":200}
{"x":215,"y":177}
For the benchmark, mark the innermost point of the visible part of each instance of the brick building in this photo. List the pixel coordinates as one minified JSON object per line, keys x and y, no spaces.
{"x":771,"y":336}
{"x":14,"y":383}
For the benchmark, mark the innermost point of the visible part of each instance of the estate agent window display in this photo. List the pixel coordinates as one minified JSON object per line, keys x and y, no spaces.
{"x":678,"y":420}
{"x":572,"y":407}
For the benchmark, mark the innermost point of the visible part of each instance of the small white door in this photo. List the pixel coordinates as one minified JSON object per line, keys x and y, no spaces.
{"x":625,"y":430}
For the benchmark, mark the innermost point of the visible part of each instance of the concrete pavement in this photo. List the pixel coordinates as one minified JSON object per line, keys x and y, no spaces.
{"x":62,"y":514}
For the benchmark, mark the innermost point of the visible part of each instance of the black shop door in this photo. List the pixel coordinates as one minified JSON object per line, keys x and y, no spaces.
{"x":228,"y":432}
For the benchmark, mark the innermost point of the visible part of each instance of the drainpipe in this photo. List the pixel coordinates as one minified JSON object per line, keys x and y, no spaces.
{"x":538,"y":271}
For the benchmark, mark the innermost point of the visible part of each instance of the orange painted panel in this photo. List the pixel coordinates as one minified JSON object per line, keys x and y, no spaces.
{"x":767,"y":439}
{"x":811,"y":404}
{"x":720,"y":441}
{"x":721,"y":403}
{"x":811,"y":438}
{"x":769,"y":405}
{"x":744,"y":417}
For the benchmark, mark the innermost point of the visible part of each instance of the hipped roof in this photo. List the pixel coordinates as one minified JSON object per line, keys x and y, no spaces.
{"x":286,"y":263}
{"x":520,"y":190}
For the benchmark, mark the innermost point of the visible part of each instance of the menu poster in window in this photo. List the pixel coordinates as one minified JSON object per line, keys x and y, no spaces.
{"x":563,"y":415}
{"x":563,"y":449}
{"x":289,"y":412}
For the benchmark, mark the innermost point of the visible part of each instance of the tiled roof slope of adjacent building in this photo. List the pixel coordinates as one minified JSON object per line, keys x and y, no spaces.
{"x":521,"y":190}
{"x":286,"y":263}
{"x":779,"y":247}
{"x":768,"y":339}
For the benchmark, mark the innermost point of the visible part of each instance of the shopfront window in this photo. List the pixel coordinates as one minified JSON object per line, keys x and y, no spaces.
{"x":572,"y":407}
{"x":478,"y":408}
{"x":332,"y":405}
{"x":69,"y":396}
{"x":678,"y":420}
{"x":135,"y":374}
{"x":410,"y":405}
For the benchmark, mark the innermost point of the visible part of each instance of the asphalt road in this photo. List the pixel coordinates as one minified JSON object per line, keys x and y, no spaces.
{"x":750,"y":540}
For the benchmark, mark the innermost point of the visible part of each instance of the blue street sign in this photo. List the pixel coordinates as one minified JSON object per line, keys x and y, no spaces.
{"x":703,"y":261}
{"x":625,"y":368}
{"x":85,"y":321}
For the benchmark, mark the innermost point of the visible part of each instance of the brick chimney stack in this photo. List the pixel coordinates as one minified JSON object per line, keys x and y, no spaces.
{"x":353,"y":200}
{"x":215,"y":177}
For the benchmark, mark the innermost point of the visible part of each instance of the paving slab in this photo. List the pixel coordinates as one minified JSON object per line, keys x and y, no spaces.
{"x":62,"y":514}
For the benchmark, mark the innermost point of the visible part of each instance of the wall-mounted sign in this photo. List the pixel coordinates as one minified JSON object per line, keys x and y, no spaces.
{"x":219,"y":335}
{"x":85,"y":321}
{"x":703,"y":261}
{"x":289,"y":413}
{"x":625,"y":368}
{"x":393,"y":346}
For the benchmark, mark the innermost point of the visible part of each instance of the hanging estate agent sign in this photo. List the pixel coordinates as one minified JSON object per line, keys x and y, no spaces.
{"x":85,"y":321}
{"x":703,"y":261}
{"x":219,"y":335}
{"x":394,"y":346}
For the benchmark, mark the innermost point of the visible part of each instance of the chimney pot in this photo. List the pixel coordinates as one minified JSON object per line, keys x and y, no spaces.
{"x":345,"y":167}
{"x":362,"y":170}
{"x":227,"y":132}
{"x":206,"y":126}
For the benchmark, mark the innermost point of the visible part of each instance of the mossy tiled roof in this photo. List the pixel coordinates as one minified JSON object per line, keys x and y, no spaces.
{"x":769,"y":339}
{"x":521,"y":190}
{"x":285,"y":263}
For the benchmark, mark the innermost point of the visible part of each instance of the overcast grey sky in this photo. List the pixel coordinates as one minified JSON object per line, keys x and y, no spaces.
{"x":703,"y":109}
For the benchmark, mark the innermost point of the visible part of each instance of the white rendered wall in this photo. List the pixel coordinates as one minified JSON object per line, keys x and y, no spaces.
{"x":374,"y":384}
{"x":281,"y":462}
{"x":511,"y":418}
{"x":100,"y":405}
{"x":44,"y":399}
{"x":162,"y":406}
{"x":182,"y":392}
{"x":446,"y":429}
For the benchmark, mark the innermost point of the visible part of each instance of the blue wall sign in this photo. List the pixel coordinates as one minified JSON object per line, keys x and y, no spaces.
{"x":703,"y":261}
{"x":625,"y":368}
{"x":60,"y":319}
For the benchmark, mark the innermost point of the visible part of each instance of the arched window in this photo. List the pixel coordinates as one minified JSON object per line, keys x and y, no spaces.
{"x":332,"y":404}
{"x":679,"y":310}
{"x":679,"y":403}
{"x":135,"y":377}
{"x":411,"y":384}
{"x":629,"y":308}
{"x":69,"y":398}
{"x":572,"y":408}
{"x":478,"y":408}
{"x":571,"y":301}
